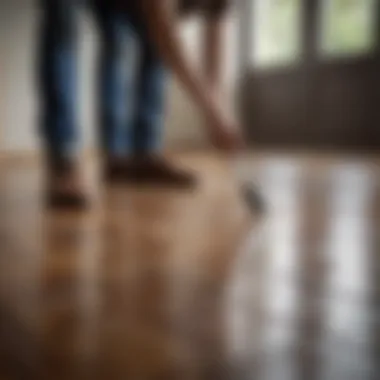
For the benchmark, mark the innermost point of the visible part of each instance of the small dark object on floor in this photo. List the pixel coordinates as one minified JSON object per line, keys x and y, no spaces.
{"x":253,"y":198}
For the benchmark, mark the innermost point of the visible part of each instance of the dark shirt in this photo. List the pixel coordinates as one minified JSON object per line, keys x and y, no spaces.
{"x":185,"y":7}
{"x":208,"y":7}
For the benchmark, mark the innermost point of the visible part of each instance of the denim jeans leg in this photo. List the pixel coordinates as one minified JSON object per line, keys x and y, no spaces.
{"x":116,"y":71}
{"x":57,"y":76}
{"x":150,"y":96}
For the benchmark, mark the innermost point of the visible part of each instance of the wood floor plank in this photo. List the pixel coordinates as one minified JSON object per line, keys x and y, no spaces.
{"x":154,"y":284}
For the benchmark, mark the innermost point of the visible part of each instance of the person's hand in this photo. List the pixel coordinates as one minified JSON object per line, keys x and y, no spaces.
{"x":224,"y":131}
{"x":226,"y":135}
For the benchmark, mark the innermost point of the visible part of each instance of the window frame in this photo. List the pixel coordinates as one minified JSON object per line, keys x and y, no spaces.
{"x":310,"y":52}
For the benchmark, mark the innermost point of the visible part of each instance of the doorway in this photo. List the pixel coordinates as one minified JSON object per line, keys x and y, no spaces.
{"x":311,"y":73}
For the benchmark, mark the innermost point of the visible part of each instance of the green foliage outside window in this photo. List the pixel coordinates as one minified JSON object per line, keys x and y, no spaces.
{"x":346,"y":27}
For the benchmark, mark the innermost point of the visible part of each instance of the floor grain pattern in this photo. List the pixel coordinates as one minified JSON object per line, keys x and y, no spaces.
{"x":154,"y":284}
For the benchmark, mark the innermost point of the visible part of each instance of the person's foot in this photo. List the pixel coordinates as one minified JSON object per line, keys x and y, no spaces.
{"x":148,"y":170}
{"x":64,"y":187}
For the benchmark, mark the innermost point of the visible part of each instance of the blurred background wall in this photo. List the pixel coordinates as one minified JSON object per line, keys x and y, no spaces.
{"x":18,"y":102}
{"x":312,"y":74}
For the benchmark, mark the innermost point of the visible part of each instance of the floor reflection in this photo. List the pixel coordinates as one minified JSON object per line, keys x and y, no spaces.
{"x":309,"y":311}
{"x":162,"y":285}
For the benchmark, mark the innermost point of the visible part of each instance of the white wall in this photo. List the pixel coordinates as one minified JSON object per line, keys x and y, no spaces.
{"x":18,"y":101}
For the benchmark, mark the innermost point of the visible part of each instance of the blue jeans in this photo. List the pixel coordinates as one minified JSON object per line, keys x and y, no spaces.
{"x":130,"y":112}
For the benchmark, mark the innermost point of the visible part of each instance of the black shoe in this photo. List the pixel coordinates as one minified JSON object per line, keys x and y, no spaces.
{"x":64,"y":190}
{"x":150,"y":170}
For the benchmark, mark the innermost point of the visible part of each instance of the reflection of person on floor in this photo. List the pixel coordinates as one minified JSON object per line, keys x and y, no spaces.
{"x":130,"y":144}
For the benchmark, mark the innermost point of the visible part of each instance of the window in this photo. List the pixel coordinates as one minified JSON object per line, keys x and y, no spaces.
{"x":277,"y":32}
{"x":347,"y":27}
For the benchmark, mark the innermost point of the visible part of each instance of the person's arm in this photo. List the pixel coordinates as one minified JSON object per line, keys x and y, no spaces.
{"x":213,"y":47}
{"x":161,"y":21}
{"x":160,"y":18}
{"x":214,"y":38}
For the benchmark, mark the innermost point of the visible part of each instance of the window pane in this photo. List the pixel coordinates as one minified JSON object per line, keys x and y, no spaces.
{"x":348,"y":27}
{"x":277,"y":32}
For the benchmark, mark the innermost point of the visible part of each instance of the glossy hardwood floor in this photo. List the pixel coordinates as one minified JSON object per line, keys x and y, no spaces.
{"x":154,"y":284}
